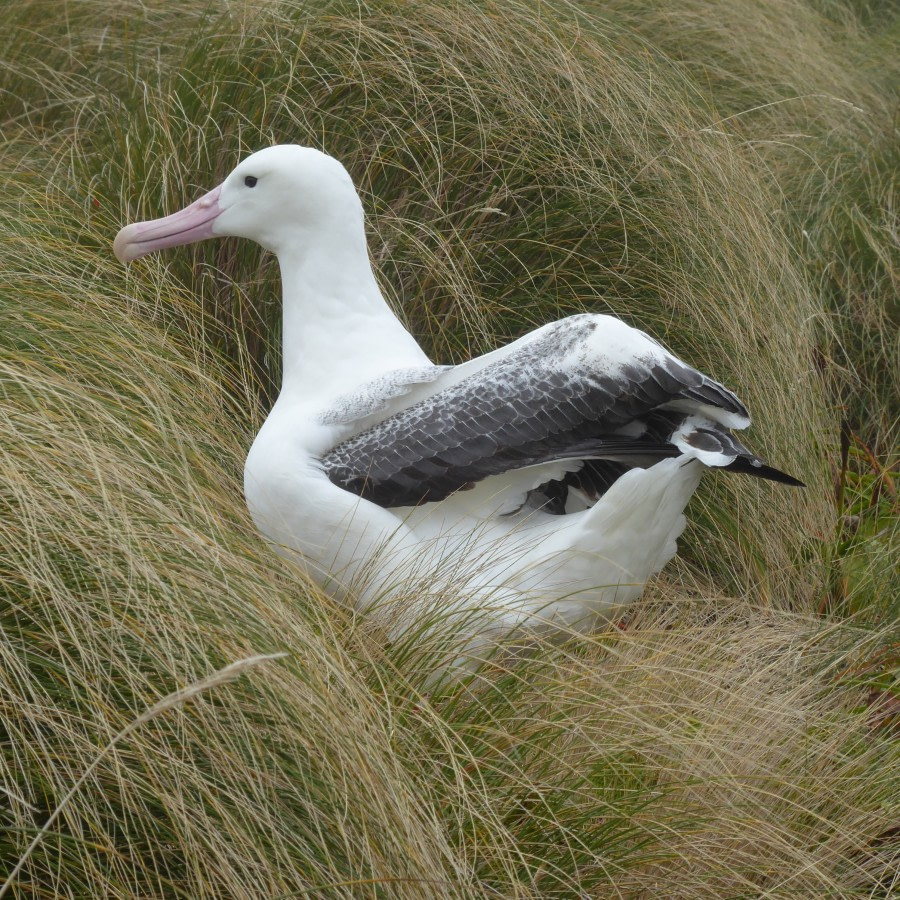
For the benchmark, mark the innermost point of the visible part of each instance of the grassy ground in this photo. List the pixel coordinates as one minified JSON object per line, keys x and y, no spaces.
{"x":722,"y":175}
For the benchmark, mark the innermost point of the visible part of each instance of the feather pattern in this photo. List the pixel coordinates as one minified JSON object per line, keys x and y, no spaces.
{"x":375,"y":397}
{"x":574,"y":389}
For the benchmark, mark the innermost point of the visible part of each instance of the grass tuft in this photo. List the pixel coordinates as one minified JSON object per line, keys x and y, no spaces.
{"x":722,"y":176}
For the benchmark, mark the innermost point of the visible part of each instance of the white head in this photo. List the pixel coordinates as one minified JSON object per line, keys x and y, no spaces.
{"x":284,"y":197}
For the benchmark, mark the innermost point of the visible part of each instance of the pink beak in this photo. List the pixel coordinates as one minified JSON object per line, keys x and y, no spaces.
{"x":193,"y":223}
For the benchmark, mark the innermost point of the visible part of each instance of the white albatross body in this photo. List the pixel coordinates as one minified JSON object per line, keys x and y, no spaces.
{"x":546,"y":480}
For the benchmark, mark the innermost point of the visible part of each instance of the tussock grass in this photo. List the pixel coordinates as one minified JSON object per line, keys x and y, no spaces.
{"x":809,"y":91}
{"x":519,"y":162}
{"x":610,"y":196}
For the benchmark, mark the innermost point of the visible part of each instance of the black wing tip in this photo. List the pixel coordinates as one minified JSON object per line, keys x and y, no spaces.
{"x":773,"y":474}
{"x":761,"y":470}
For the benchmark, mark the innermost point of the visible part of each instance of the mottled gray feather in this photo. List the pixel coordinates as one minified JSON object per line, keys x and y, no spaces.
{"x":522,"y":410}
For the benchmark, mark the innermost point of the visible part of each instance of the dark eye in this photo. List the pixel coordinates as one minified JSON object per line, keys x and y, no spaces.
{"x":251,"y":180}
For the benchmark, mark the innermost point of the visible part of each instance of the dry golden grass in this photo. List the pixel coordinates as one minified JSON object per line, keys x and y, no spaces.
{"x":727,"y":742}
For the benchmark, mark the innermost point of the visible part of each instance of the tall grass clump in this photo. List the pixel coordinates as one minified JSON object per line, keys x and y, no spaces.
{"x":726,"y":188}
{"x":810,"y":91}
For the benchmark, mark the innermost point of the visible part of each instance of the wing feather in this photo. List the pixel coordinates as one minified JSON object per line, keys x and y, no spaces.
{"x":558,"y":394}
{"x":377,"y":395}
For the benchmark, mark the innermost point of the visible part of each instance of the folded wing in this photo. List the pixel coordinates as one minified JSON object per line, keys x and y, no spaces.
{"x":585,"y":388}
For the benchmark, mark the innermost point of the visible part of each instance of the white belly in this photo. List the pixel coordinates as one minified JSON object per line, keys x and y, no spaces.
{"x":529,"y":569}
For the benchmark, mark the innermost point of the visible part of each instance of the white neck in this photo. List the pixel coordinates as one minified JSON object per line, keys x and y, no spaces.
{"x":338,"y":331}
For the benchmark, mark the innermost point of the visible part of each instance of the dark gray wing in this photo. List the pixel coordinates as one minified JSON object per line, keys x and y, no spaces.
{"x":560,"y":394}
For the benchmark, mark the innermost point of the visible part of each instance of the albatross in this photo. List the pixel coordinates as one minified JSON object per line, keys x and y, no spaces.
{"x":545,"y":481}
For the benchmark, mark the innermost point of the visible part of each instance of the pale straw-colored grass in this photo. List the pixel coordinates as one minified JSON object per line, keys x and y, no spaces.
{"x":519,"y":162}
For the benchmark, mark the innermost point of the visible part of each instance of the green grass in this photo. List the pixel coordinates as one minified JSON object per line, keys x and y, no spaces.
{"x":721,"y":175}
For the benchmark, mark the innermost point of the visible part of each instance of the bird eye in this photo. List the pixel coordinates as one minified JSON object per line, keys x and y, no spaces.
{"x":251,"y":180}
